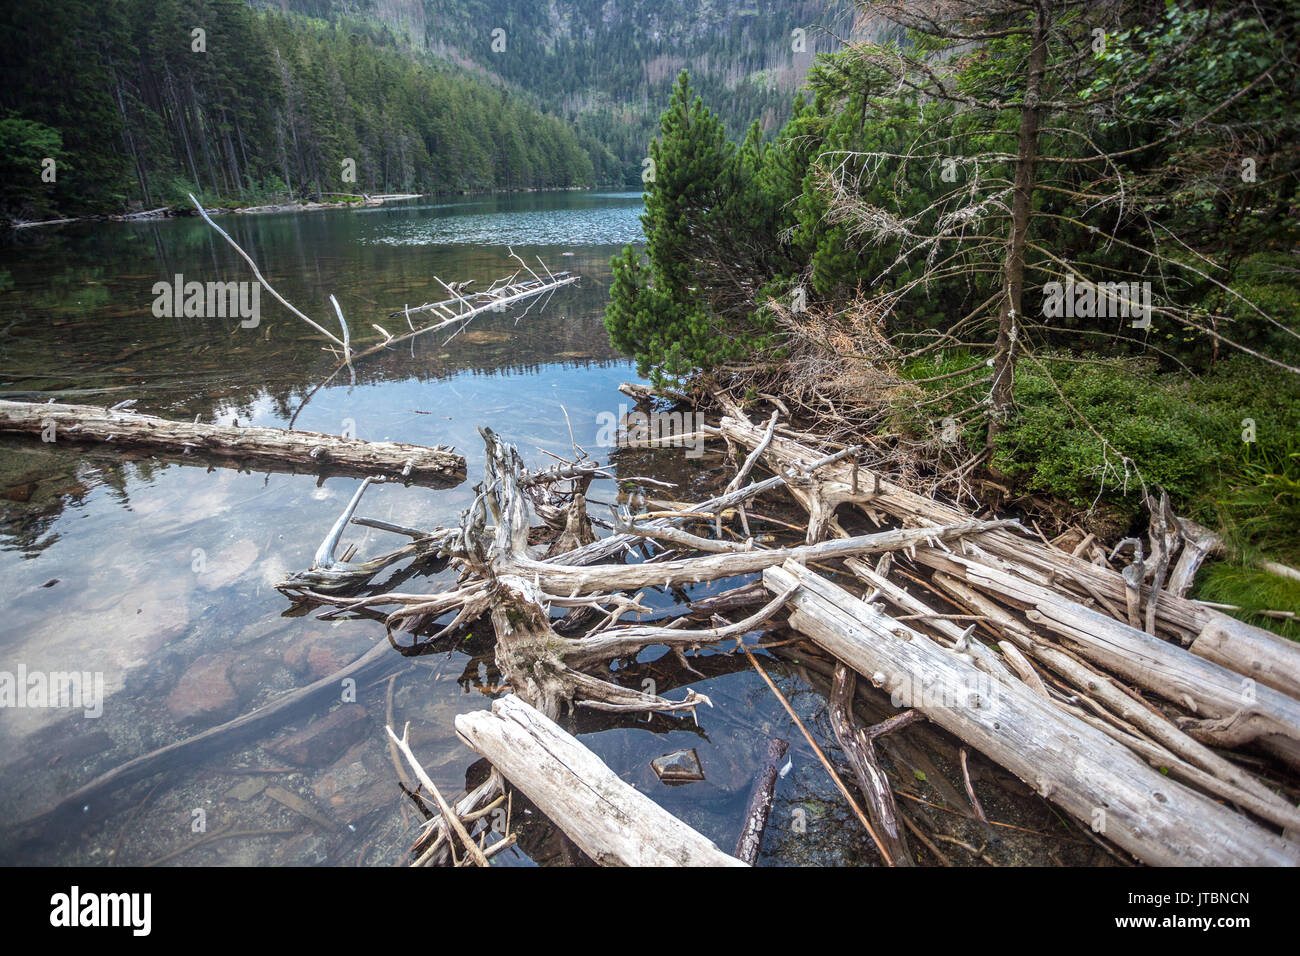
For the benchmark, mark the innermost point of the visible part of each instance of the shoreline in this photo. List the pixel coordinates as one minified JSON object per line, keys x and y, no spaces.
{"x":365,"y":202}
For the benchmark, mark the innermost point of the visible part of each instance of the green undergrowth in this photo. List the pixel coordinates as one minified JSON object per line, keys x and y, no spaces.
{"x":1226,"y":446}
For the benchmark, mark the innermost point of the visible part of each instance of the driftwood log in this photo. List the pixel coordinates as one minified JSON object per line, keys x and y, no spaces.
{"x":1079,"y":768}
{"x":878,"y":497}
{"x":1202,"y":686}
{"x":609,"y":821}
{"x":1033,"y":574}
{"x":759,"y":807}
{"x":274,"y":449}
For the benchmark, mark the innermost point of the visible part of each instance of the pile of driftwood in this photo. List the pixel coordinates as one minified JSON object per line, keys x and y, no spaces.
{"x":1140,"y":712}
{"x":1168,"y":729}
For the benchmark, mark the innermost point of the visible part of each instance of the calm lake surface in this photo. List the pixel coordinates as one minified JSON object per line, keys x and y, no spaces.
{"x":161,"y":576}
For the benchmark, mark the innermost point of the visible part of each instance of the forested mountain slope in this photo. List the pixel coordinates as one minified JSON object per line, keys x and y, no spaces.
{"x":142,"y":101}
{"x":610,"y":64}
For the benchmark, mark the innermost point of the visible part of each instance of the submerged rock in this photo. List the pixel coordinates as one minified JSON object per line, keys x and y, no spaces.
{"x":680,"y":766}
{"x":204,"y":690}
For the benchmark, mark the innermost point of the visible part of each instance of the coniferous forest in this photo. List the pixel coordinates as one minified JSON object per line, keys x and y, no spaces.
{"x":117,"y":93}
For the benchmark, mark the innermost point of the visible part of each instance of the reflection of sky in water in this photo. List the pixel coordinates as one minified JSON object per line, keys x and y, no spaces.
{"x":123,"y":538}
{"x":613,"y":220}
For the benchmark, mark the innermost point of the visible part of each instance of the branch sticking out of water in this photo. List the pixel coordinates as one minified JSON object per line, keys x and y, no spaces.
{"x":266,"y":285}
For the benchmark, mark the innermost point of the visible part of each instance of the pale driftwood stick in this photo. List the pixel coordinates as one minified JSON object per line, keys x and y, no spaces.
{"x":561,"y":579}
{"x":1165,"y":533}
{"x":861,"y":754}
{"x":1268,"y":658}
{"x":754,"y":456}
{"x":609,"y":820}
{"x":471,"y":804}
{"x":1154,"y":664}
{"x":258,"y":274}
{"x":347,"y":338}
{"x":683,"y":539}
{"x":644,"y":393}
{"x":622,"y":641}
{"x":1283,"y":570}
{"x":1023,"y":668}
{"x":452,"y":820}
{"x":1233,"y":784}
{"x":970,"y":789}
{"x":1198,"y":544}
{"x":615,"y":544}
{"x":272,"y":448}
{"x":493,"y":302}
{"x":1076,"y":766}
{"x":759,"y":807}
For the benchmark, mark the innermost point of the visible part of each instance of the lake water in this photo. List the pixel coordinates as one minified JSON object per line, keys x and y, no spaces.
{"x":161,"y":576}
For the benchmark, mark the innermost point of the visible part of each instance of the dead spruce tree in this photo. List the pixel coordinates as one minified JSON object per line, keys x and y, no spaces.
{"x":1055,"y":194}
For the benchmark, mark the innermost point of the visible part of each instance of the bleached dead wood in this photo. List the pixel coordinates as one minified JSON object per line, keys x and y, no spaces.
{"x":1263,"y":656}
{"x":259,"y":446}
{"x":1033,"y":561}
{"x":1079,"y":768}
{"x":559,"y":579}
{"x":875,"y":494}
{"x":609,"y":821}
{"x":1202,"y":686}
{"x":1198,"y":544}
{"x":1226,"y":779}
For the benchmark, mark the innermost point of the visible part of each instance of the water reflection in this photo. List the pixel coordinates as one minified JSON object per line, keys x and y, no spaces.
{"x":161,"y":576}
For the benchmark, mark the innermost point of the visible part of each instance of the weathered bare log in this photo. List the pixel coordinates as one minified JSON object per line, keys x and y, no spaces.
{"x":274,"y":449}
{"x":1202,"y":686}
{"x":1090,"y":775}
{"x":861,"y":754}
{"x":559,"y":579}
{"x":759,"y":807}
{"x":1177,"y":616}
{"x":610,"y":821}
{"x":1227,"y":780}
{"x":1266,"y":657}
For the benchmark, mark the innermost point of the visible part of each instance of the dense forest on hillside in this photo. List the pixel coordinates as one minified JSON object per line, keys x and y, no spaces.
{"x":897,"y":260}
{"x":609,"y":65}
{"x":135,"y":108}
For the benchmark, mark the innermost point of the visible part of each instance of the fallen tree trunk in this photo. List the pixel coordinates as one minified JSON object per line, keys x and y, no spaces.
{"x":1223,"y":778}
{"x":1081,"y":769}
{"x":1202,"y":686}
{"x":847,"y":481}
{"x":609,"y":821}
{"x":1048,"y":568}
{"x":253,"y":445}
{"x":1266,"y":657}
{"x":559,"y":579}
{"x":759,"y":807}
